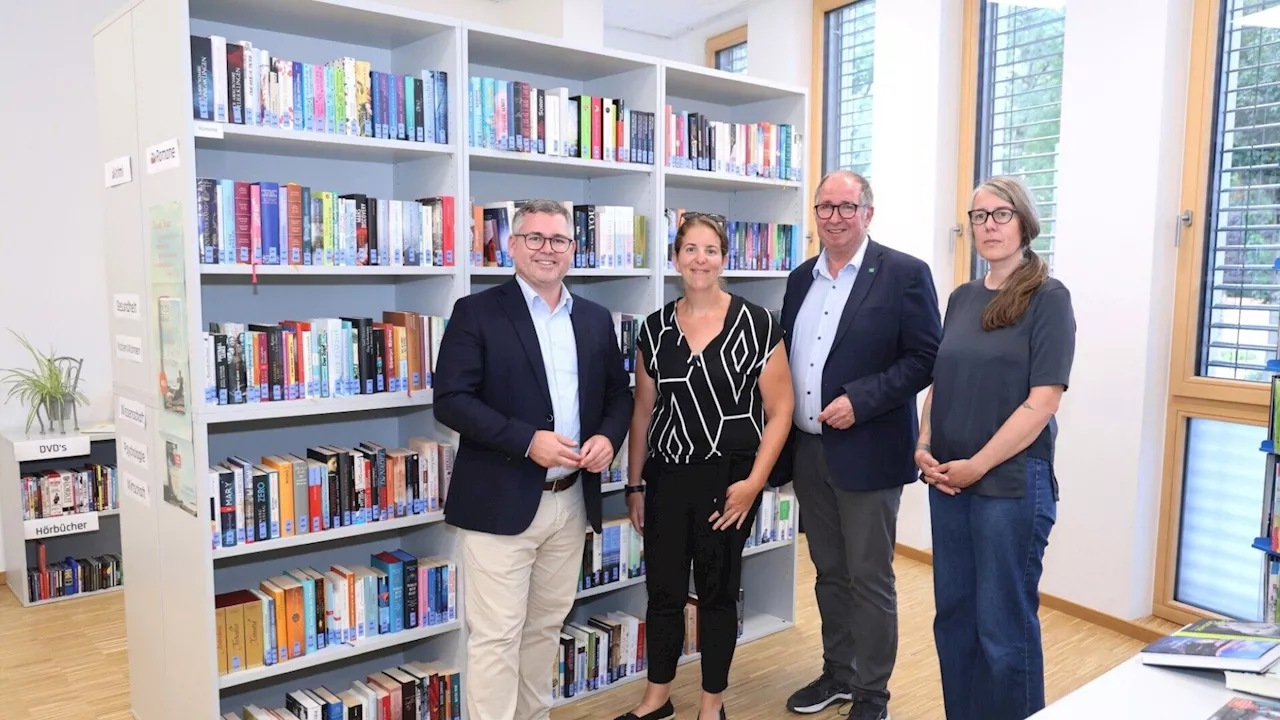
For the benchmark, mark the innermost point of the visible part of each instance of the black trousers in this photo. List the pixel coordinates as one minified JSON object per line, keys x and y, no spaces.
{"x":679,"y":499}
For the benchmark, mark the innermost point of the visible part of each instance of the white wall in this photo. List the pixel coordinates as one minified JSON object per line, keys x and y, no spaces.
{"x":690,"y":47}
{"x":1118,"y":260}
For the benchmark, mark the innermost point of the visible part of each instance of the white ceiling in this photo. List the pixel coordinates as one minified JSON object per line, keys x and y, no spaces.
{"x":667,"y":18}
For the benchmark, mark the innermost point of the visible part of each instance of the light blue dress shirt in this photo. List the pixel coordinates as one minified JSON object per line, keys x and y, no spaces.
{"x":815,"y":331}
{"x":560,"y":360}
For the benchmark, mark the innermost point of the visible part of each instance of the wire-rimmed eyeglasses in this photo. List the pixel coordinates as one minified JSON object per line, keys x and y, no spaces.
{"x":1000,"y":215}
{"x":535,"y":241}
{"x":824,"y":211}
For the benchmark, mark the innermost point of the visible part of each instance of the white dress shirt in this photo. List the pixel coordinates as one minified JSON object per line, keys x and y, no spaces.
{"x":815,"y":331}
{"x":560,"y":360}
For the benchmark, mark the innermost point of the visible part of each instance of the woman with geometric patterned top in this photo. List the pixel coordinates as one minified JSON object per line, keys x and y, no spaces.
{"x":712,"y":412}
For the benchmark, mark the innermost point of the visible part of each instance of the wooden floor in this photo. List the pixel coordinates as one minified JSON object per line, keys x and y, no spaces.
{"x":67,"y":661}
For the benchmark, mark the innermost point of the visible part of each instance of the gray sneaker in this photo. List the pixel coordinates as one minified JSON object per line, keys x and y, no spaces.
{"x":818,"y":694}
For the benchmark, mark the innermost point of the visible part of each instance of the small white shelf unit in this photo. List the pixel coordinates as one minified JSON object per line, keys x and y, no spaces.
{"x":23,"y":453}
{"x":143,"y":60}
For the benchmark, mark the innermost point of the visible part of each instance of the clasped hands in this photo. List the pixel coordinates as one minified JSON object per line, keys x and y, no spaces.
{"x":551,"y":449}
{"x":949,"y":477}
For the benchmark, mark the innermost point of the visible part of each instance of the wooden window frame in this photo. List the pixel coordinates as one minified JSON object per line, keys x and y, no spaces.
{"x":724,"y":41}
{"x":1190,"y":395}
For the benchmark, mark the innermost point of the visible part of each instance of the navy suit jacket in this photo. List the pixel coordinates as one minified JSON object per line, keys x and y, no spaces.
{"x":491,"y":387}
{"x":882,"y":358}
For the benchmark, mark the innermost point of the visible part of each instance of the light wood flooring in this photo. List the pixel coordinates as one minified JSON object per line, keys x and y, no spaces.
{"x":67,"y":661}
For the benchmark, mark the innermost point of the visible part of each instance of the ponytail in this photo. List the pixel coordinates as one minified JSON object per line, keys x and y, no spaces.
{"x":1014,"y":297}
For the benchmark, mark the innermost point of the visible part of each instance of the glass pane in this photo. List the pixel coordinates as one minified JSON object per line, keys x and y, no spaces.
{"x":732,"y":59}
{"x":1218,"y":569}
{"x":1241,"y":301}
{"x":1020,"y":104}
{"x":849,"y":85}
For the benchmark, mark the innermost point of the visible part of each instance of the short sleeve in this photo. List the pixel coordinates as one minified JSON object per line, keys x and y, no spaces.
{"x":768,"y":336}
{"x":1053,"y":338}
{"x":645,"y":344}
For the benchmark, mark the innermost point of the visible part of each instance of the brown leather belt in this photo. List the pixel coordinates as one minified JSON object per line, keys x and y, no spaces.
{"x":561,"y":484}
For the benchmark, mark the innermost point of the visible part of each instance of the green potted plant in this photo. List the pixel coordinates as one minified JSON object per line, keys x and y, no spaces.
{"x":50,"y":387}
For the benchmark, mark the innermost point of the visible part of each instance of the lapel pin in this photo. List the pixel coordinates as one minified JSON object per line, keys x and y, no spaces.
{"x":871,"y":270}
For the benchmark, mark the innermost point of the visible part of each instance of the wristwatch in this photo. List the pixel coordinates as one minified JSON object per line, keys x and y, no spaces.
{"x":634,"y":489}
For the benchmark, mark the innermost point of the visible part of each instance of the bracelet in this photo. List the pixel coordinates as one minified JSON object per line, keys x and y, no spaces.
{"x":634,"y":489}
{"x":924,"y":446}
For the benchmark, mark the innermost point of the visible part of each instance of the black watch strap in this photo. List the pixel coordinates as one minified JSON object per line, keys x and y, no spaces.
{"x":634,"y":489}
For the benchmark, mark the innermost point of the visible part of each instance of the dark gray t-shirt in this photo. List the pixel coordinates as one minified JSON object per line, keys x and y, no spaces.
{"x":980,"y":378}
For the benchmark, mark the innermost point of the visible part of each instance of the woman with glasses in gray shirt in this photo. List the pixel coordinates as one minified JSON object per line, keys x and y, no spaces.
{"x":986,"y":449}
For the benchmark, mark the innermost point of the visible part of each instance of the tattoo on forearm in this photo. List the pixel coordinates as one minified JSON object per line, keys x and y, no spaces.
{"x":1027,"y":406}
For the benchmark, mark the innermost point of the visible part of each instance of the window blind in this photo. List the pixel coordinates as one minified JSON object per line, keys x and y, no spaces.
{"x":848,"y":87}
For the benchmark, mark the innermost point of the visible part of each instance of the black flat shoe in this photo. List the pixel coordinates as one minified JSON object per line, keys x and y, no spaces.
{"x":666,"y":712}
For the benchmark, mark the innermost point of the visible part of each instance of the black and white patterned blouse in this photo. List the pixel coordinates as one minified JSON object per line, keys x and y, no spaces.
{"x":708,"y":404}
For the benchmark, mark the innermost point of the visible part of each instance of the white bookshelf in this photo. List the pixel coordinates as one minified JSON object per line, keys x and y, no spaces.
{"x":80,"y":535}
{"x":144,"y":88}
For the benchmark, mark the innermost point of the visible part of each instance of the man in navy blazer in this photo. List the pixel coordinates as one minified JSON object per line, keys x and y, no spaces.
{"x":862,"y":328}
{"x":531,"y":378}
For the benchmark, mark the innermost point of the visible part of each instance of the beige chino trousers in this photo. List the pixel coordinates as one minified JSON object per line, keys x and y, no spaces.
{"x":519,"y":590}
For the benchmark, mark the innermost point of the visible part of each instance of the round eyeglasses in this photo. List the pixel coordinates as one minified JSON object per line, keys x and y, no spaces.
{"x":846,"y":210}
{"x":534,"y":241}
{"x":1000,"y":215}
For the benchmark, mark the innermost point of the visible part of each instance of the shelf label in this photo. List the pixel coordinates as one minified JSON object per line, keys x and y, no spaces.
{"x":129,"y":347}
{"x":135,"y":488}
{"x":63,"y":525}
{"x":119,"y":171}
{"x":51,"y":447}
{"x":127,"y":306}
{"x":135,"y":453}
{"x":163,"y":156}
{"x":208,"y":129}
{"x":129,"y":411}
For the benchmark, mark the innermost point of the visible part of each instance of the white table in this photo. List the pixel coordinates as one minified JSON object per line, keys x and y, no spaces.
{"x":1133,"y":691}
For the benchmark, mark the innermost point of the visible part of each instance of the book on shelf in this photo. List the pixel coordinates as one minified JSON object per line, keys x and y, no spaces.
{"x":270,"y":223}
{"x":320,"y":357}
{"x":511,"y":115}
{"x":1239,"y":708}
{"x":594,"y":654}
{"x":1218,"y":645}
{"x":72,"y":576}
{"x":237,"y":83}
{"x":752,"y":245}
{"x":614,"y":554}
{"x":306,"y":610}
{"x":410,"y":691}
{"x":775,"y":519}
{"x":606,"y":236}
{"x":64,"y":491}
{"x":757,"y":149}
{"x":326,"y":487}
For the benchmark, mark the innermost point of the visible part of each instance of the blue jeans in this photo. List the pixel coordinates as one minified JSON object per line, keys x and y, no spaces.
{"x":987,"y":556}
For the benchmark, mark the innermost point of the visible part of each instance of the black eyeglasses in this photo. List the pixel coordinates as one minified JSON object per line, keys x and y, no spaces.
{"x":826,"y":210}
{"x":534,"y":241}
{"x":713,"y":217}
{"x":1000,"y":215}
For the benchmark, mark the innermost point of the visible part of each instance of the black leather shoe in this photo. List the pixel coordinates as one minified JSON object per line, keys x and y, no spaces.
{"x":666,"y":712}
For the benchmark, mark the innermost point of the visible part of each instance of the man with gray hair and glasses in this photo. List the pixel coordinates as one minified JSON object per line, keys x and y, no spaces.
{"x":531,"y":378}
{"x":862,"y":329}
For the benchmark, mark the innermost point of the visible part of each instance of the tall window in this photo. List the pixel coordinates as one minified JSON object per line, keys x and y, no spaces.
{"x":1020,"y":103}
{"x":732,"y":59}
{"x":848,"y":85}
{"x":1241,"y":302}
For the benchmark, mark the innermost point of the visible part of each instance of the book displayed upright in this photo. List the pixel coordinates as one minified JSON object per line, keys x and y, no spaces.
{"x":317,"y":184}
